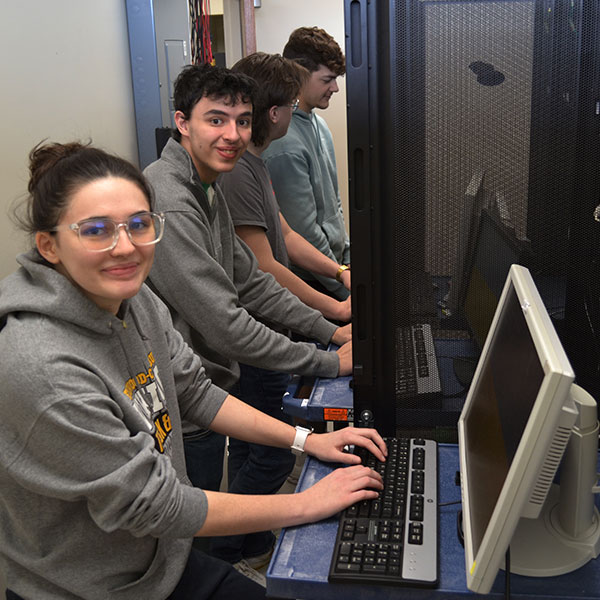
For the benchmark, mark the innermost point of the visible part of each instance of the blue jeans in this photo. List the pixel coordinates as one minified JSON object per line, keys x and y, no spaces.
{"x":253,"y":468}
{"x":204,"y":452}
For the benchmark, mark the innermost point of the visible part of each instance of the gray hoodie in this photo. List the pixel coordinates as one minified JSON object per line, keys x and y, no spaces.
{"x":211,"y":282}
{"x":94,"y":498}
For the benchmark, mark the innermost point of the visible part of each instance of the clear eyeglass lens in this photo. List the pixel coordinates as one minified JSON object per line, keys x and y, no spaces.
{"x":99,"y":234}
{"x":143,"y":228}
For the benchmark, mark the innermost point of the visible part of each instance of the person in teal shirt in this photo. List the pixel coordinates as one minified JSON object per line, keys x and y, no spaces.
{"x":302,"y":163}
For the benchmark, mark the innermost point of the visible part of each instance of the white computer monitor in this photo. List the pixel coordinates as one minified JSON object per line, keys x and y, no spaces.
{"x":520,"y":413}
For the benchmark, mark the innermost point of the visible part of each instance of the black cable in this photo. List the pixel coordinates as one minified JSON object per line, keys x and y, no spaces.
{"x":507,"y":575}
{"x":201,"y":47}
{"x":587,"y":299}
{"x":449,"y":503}
{"x":459,"y":528}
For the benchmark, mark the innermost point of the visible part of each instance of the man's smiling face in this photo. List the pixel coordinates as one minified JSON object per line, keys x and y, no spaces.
{"x":216,"y":134}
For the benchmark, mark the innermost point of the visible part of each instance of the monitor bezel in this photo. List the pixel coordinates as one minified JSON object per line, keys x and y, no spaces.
{"x":482,"y":564}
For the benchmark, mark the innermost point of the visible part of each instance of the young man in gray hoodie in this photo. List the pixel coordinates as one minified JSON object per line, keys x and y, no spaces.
{"x":218,"y":298}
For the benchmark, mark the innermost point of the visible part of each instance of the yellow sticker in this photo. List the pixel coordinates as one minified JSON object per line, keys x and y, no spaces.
{"x":473,"y":566}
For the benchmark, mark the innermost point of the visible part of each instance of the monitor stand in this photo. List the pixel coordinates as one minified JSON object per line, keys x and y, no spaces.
{"x":566,"y":535}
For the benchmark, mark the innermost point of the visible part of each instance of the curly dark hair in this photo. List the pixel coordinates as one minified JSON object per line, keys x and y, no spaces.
{"x":195,"y":82}
{"x":311,"y":47}
{"x":279,"y":81}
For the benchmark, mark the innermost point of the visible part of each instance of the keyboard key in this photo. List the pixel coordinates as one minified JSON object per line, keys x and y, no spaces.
{"x":415,"y":533}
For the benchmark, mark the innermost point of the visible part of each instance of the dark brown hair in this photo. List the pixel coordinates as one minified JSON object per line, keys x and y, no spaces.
{"x":279,"y":81}
{"x":311,"y":47}
{"x":57,"y":171}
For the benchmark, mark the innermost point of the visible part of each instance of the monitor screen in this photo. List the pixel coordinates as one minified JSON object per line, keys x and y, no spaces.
{"x":495,"y":249}
{"x":513,"y":428}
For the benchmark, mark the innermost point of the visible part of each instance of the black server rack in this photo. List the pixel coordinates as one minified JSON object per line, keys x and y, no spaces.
{"x":463,"y":112}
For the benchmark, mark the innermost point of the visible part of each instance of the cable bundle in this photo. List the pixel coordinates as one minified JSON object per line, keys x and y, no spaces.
{"x":200,"y":34}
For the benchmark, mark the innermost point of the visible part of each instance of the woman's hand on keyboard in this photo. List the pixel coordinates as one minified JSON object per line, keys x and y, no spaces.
{"x":340,"y":489}
{"x":331,"y":446}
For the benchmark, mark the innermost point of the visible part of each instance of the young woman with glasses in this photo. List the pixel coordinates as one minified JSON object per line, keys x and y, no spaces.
{"x":94,"y":499}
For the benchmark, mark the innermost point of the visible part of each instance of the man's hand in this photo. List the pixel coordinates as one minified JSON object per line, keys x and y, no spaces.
{"x":342,"y":335}
{"x":330,"y":446}
{"x":344,"y":310}
{"x":345,"y":355}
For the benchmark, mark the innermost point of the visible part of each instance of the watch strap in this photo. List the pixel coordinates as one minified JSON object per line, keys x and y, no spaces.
{"x":300,"y":439}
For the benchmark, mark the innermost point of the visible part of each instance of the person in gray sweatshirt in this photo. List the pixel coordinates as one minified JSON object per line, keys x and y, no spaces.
{"x":228,"y":310}
{"x":95,"y":503}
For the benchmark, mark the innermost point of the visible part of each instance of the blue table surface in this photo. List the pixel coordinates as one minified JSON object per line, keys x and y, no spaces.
{"x":301,"y":559}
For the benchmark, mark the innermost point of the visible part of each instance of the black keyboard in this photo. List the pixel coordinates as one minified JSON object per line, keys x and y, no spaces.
{"x":416,"y":364}
{"x":393,"y":538}
{"x":423,"y":306}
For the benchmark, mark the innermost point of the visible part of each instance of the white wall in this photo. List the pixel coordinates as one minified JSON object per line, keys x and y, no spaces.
{"x":275,"y":20}
{"x":65,"y":75}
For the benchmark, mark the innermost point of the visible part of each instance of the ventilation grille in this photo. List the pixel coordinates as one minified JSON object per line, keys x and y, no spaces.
{"x":546,"y":477}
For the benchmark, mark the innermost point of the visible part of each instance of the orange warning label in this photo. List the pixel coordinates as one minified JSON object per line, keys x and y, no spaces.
{"x":335,"y":414}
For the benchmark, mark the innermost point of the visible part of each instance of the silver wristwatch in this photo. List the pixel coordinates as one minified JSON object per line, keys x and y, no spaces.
{"x":300,"y":439}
